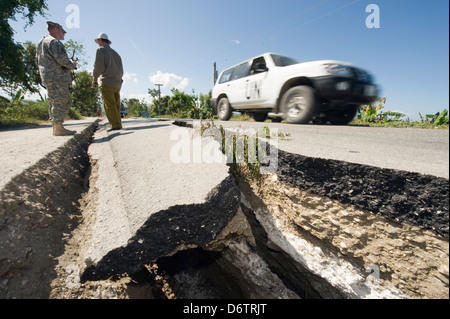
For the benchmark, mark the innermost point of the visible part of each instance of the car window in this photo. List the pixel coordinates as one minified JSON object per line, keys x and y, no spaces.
{"x":241,"y":71}
{"x":281,"y":60}
{"x":258,"y":62}
{"x":226,"y":76}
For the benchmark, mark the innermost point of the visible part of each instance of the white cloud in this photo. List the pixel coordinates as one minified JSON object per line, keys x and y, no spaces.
{"x":147,"y":98}
{"x":169,"y":80}
{"x":130,"y":77}
{"x":236,"y":41}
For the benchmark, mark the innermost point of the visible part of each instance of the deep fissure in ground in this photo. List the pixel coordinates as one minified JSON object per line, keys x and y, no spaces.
{"x":402,"y":197}
{"x":40,"y":209}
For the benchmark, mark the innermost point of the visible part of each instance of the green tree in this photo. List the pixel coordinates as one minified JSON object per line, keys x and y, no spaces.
{"x":183,"y":105}
{"x":160,"y":105}
{"x":76,"y":52}
{"x":31,"y":68}
{"x":135,"y":107}
{"x":156,"y":108}
{"x":13,"y":69}
{"x":31,"y":73}
{"x":205,"y":107}
{"x":84,"y":97}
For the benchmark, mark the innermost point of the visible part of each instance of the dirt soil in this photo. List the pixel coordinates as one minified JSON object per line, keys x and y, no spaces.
{"x":40,"y":214}
{"x":392,"y":222}
{"x":413,"y":260}
{"x":39,"y":209}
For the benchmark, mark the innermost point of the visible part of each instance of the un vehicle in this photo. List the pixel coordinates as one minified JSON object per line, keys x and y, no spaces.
{"x":279,"y":87}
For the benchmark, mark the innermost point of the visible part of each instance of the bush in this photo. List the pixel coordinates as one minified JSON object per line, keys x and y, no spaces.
{"x":74,"y":114}
{"x":440,"y":118}
{"x":36,"y":110}
{"x":19,"y":111}
{"x":26,"y":112}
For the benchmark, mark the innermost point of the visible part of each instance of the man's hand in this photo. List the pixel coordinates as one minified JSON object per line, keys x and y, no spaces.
{"x":94,"y":84}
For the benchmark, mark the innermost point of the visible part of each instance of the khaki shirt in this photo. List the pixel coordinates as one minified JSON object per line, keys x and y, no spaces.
{"x":108,"y":67}
{"x":54,"y":64}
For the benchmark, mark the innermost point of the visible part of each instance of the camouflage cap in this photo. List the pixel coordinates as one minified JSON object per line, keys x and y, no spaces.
{"x":54,"y":24}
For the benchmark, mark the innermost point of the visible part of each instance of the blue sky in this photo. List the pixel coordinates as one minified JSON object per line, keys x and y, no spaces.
{"x":176,"y":42}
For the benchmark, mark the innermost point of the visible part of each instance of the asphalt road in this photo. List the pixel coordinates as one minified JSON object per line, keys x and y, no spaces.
{"x":21,"y":148}
{"x":423,"y":151}
{"x":136,"y":177}
{"x":139,"y":174}
{"x":415,"y":150}
{"x":152,"y":176}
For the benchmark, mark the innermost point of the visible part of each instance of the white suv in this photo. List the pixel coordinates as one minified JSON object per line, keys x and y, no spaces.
{"x":279,"y":87}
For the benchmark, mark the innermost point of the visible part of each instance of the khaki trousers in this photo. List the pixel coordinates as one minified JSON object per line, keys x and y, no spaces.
{"x":111,"y":101}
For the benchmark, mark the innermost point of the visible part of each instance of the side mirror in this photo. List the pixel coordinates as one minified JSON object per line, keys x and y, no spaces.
{"x":261,"y":67}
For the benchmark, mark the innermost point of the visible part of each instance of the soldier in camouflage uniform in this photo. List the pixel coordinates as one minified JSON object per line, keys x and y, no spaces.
{"x":55,"y":69}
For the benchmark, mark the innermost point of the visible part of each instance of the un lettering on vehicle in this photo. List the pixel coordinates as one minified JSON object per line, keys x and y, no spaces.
{"x":253,"y":90}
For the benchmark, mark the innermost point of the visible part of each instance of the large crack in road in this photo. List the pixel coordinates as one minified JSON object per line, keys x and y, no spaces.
{"x":39,"y":209}
{"x":314,"y":229}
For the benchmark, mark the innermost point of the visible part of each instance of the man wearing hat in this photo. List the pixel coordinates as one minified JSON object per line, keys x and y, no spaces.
{"x":55,"y":69}
{"x":109,"y":69}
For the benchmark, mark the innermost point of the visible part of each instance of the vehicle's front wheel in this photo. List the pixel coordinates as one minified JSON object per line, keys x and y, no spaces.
{"x":224,"y":110}
{"x":299,"y":105}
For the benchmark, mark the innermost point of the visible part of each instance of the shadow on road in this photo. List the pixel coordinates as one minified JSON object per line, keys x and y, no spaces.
{"x":127,"y":131}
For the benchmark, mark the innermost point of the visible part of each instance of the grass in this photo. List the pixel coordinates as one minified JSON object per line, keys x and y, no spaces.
{"x":33,"y":113}
{"x":424,"y":124}
{"x":402,"y":124}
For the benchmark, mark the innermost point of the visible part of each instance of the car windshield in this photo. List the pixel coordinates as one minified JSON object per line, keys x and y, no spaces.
{"x":281,"y":60}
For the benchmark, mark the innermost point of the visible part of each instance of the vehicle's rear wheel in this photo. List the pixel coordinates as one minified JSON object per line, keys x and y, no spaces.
{"x":224,"y":110}
{"x":299,"y":105}
{"x":342,"y":117}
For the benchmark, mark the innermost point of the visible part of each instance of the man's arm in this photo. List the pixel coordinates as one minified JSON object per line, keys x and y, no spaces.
{"x":60,"y":55}
{"x":99,"y":65}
